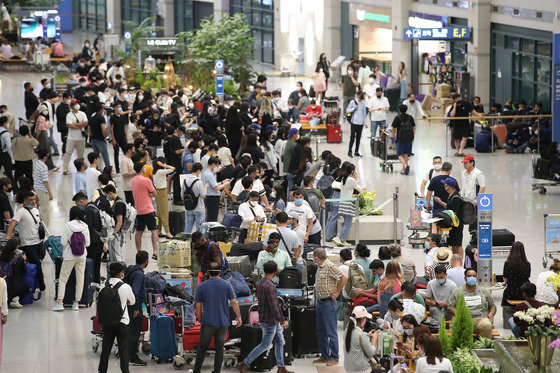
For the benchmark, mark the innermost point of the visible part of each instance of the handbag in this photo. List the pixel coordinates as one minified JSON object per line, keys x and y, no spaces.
{"x":373,"y":362}
{"x":41,"y":225}
{"x":253,"y":315}
{"x":336,"y":185}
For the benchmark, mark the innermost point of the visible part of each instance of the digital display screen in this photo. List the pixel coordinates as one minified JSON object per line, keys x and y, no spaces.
{"x":31,"y":28}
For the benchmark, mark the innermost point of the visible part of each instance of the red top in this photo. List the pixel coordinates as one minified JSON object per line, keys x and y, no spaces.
{"x":315,"y":113}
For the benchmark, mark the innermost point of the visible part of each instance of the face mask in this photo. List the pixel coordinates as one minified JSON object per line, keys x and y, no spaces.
{"x":77,"y":107}
{"x":109,"y":199}
{"x":82,"y":64}
{"x":313,"y":107}
{"x":154,"y":107}
{"x":9,"y":190}
{"x":30,"y":206}
{"x":124,"y":87}
{"x":68,"y":102}
{"x":48,"y":85}
{"x":191,"y":105}
{"x":350,"y":72}
{"x":299,"y":202}
{"x":87,"y":44}
{"x":426,"y":245}
{"x":412,"y":101}
{"x":437,"y":166}
{"x":83,"y":84}
{"x":371,"y":80}
{"x":119,"y":110}
{"x":45,"y":112}
{"x":441,"y":281}
{"x":408,"y":331}
{"x":252,"y":203}
{"x":290,"y":226}
{"x":471,"y":281}
{"x":82,"y":208}
{"x":140,"y":98}
{"x":156,"y":117}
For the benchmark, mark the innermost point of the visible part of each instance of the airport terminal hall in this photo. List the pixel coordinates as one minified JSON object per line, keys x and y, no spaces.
{"x":309,"y":186}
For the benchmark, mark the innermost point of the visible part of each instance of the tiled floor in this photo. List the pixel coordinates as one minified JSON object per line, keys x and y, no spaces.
{"x":39,"y":340}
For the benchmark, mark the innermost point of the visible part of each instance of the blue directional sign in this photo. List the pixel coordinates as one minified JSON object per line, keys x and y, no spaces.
{"x":484,"y":201}
{"x":442,"y":33}
{"x":219,"y":64}
{"x":484,"y":226}
{"x":219,"y":85}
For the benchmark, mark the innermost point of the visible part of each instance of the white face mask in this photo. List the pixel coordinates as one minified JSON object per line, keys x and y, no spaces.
{"x":68,"y":102}
{"x":140,"y":98}
{"x":191,"y":105}
{"x":77,"y":107}
{"x":48,"y":85}
{"x":154,"y":107}
{"x":82,"y":64}
{"x":45,"y":112}
{"x":350,"y":72}
{"x":438,"y":166}
{"x":252,"y":203}
{"x":124,"y":87}
{"x":119,"y":110}
{"x":371,"y":80}
{"x":83,"y":84}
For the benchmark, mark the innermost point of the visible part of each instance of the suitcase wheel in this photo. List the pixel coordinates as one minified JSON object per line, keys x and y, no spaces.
{"x":229,"y":363}
{"x":542,"y":190}
{"x":146,"y":348}
{"x":179,"y":362}
{"x":94,"y":345}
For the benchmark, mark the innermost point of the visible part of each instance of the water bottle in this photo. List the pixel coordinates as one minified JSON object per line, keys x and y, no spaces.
{"x":386,"y":345}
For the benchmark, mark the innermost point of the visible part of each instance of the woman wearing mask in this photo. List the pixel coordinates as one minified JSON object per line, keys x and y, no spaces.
{"x":42,"y":127}
{"x":270,"y":158}
{"x":253,"y":149}
{"x":401,"y":77}
{"x":161,"y":180}
{"x":349,"y":188}
{"x":138,"y":101}
{"x":389,"y":286}
{"x":279,"y":196}
{"x":234,"y":129}
{"x":305,"y":159}
{"x":12,"y":269}
{"x":324,"y":65}
{"x":407,"y":347}
{"x":303,"y":101}
{"x":87,"y":51}
{"x":319,"y":83}
{"x":359,"y":346}
{"x":75,"y":238}
{"x":433,"y":361}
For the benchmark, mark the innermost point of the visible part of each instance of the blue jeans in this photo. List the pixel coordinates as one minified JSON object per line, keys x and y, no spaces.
{"x":332,"y":216}
{"x":404,"y":89}
{"x":375,"y":124}
{"x":314,"y":122}
{"x":290,"y":179}
{"x":327,"y":335}
{"x":100,"y":147}
{"x":343,"y":234}
{"x":193,"y":217}
{"x":271,"y":333}
{"x":514,"y":328}
{"x":374,"y":308}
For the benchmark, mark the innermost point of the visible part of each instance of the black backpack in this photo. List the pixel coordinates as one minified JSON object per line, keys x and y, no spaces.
{"x":290,"y":278}
{"x":190,"y":200}
{"x":406,"y":130}
{"x":109,"y":304}
{"x":102,"y":202}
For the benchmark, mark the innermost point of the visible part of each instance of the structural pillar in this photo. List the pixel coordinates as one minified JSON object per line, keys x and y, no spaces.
{"x":402,"y":48}
{"x":113,"y":8}
{"x":480,"y":50}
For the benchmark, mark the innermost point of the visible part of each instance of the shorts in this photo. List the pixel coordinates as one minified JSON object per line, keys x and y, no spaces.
{"x":404,"y":147}
{"x":146,"y":220}
{"x":461,"y":130}
{"x":456,"y":236}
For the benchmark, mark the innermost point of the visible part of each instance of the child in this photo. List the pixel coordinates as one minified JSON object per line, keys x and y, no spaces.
{"x":80,"y":176}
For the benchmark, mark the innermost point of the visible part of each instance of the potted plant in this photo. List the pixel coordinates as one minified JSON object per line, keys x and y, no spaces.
{"x":541,"y":333}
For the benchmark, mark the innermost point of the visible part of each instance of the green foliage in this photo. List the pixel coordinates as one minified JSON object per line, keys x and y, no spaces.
{"x":159,"y":83}
{"x":462,"y":327}
{"x":140,"y":77}
{"x":229,"y":40}
{"x":463,"y":361}
{"x":367,"y":204}
{"x":483,"y":343}
{"x":443,"y":337}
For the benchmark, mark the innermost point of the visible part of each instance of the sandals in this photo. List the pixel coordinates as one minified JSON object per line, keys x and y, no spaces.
{"x":154,"y":256}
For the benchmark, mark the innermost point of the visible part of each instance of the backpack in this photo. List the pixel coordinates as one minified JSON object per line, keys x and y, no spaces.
{"x":406,"y":131}
{"x":109,"y":304}
{"x":450,"y":220}
{"x":357,"y":279}
{"x":325,"y":185}
{"x":78,"y":243}
{"x":467,"y":214}
{"x":102,"y":202}
{"x":129,"y":218}
{"x":313,"y":201}
{"x":154,"y":282}
{"x":190,"y":200}
{"x":290,"y":278}
{"x":107,"y":224}
{"x":350,"y":114}
{"x":2,"y":142}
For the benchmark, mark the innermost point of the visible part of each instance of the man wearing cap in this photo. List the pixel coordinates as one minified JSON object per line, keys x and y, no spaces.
{"x":461,"y":127}
{"x":442,"y":257}
{"x":472,"y":183}
{"x":142,"y":191}
{"x":455,"y":239}
{"x":437,"y":190}
{"x":437,"y":293}
{"x":228,"y":102}
{"x":76,"y":121}
{"x":61,"y":112}
{"x":287,"y":156}
{"x":80,"y":91}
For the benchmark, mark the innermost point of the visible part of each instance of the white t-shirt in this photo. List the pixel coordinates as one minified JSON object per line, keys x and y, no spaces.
{"x":434,"y":174}
{"x":545,"y":291}
{"x":224,"y":153}
{"x":415,"y":309}
{"x":422,"y":366}
{"x":127,"y":166}
{"x":304,"y":212}
{"x":72,"y":117}
{"x":28,"y":228}
{"x":125,"y":295}
{"x":91,"y":180}
{"x":369,"y":90}
{"x":247,"y":215}
{"x":257,"y":187}
{"x":429,"y":257}
{"x":378,"y":103}
{"x":345,"y":268}
{"x":469,"y":183}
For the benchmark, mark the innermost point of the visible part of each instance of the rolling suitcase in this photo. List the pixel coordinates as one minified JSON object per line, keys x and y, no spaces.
{"x":30,"y":279}
{"x":502,"y":237}
{"x":377,"y":147}
{"x":334,"y":133}
{"x":241,"y":264}
{"x":250,"y":249}
{"x":162,"y":337}
{"x":70,"y":290}
{"x":304,"y":340}
{"x":542,"y":169}
{"x":215,"y":231}
{"x":176,"y":222}
{"x":235,"y":332}
{"x":251,"y":336}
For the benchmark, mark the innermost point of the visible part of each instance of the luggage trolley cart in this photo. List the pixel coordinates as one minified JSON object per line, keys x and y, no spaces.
{"x":384,"y":149}
{"x":551,"y":237}
{"x":417,"y":222}
{"x":541,"y":174}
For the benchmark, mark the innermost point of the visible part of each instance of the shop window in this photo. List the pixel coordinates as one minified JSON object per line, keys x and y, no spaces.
{"x":515,"y":65}
{"x":543,"y":96}
{"x":256,"y":18}
{"x":527,"y":46}
{"x":527,"y":88}
{"x":514,"y":88}
{"x":528,"y":67}
{"x":543,"y":70}
{"x":512,"y":42}
{"x":499,"y":40}
{"x":267,"y":20}
{"x":267,"y":4}
{"x":544,"y":48}
{"x":268,"y":47}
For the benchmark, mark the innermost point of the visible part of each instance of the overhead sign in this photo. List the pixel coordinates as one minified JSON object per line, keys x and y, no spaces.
{"x":362,"y":15}
{"x":441,"y":33}
{"x":556,"y":89}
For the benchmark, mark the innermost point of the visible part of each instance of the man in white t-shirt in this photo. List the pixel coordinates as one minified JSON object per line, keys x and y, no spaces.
{"x":127,"y":172}
{"x":289,"y":241}
{"x":307,"y":222}
{"x":255,"y":173}
{"x":92,"y":173}
{"x":371,"y":87}
{"x":250,"y":211}
{"x":378,"y":106}
{"x":76,"y":121}
{"x":437,"y":162}
{"x":471,"y":178}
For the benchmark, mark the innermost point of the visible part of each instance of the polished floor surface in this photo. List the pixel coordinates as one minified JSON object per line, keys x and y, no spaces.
{"x":39,"y":340}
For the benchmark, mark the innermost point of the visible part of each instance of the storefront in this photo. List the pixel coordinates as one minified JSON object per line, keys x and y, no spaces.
{"x":521,"y":65}
{"x":439,"y":51}
{"x":161,"y":50}
{"x":372,"y":34}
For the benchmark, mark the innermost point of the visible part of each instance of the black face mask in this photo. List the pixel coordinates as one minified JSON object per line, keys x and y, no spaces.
{"x":378,"y":96}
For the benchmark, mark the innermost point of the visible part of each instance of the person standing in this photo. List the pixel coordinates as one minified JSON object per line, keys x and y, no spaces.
{"x":62,"y":112}
{"x":289,"y":148}
{"x":473,"y":182}
{"x":161,"y":176}
{"x":119,"y":123}
{"x":76,"y":121}
{"x":92,"y":217}
{"x":347,"y":209}
{"x":329,"y":282}
{"x":213,"y":189}
{"x":6,"y":212}
{"x":211,"y":302}
{"x":357,"y":121}
{"x":98,"y":132}
{"x":461,"y":127}
{"x":176,"y":150}
{"x":143,"y":190}
{"x":41,"y":185}
{"x":271,"y":253}
{"x":31,"y":101}
{"x":118,"y":211}
{"x":120,"y":330}
{"x":325,"y":65}
{"x":6,"y":154}
{"x":24,"y":152}
{"x":404,"y":129}
{"x":134,"y":276}
{"x":127,"y":172}
{"x":49,"y":97}
{"x":271,"y":320}
{"x":437,"y":189}
{"x":194,"y":217}
{"x":402,"y":79}
{"x":75,"y":238}
{"x":437,"y":162}
{"x":378,"y":106}
{"x":92,"y":173}
{"x":413,"y":107}
{"x":349,"y":85}
{"x":289,"y":241}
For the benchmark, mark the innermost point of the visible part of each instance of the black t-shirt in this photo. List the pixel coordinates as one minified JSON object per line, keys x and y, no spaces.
{"x":31,"y":104}
{"x":47,"y":93}
{"x":174,"y":145}
{"x":4,"y":206}
{"x":95,"y":123}
{"x":119,"y":208}
{"x":463,"y":109}
{"x":438,"y":189}
{"x":455,"y":204}
{"x":91,"y":105}
{"x":397,"y":123}
{"x":93,"y":220}
{"x":118,"y":123}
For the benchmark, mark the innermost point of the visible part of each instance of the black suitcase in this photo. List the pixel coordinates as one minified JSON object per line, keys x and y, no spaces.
{"x":290,"y":278}
{"x":311,"y":269}
{"x":235,"y":332}
{"x":176,"y":222}
{"x":251,"y":335}
{"x":304,"y":340}
{"x":542,"y":169}
{"x":251,"y":249}
{"x":70,"y":291}
{"x":502,"y":237}
{"x":378,"y":148}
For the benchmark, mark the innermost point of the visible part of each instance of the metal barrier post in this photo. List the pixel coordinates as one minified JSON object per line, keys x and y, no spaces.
{"x":357,"y":230}
{"x":491,"y":135}
{"x":323,"y":226}
{"x":447,"y":142}
{"x":395,"y":213}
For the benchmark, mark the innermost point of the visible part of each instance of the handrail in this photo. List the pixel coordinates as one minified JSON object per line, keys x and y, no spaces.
{"x":493,"y":117}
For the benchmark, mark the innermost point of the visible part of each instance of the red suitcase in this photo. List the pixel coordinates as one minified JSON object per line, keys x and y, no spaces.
{"x":334,"y":129}
{"x":191,"y":338}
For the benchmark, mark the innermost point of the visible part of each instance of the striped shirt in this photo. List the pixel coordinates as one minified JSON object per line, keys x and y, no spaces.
{"x":326,"y":279}
{"x":40,"y":175}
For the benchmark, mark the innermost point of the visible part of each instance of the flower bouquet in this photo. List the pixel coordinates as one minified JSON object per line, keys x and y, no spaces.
{"x":542,"y":330}
{"x":367,"y":204}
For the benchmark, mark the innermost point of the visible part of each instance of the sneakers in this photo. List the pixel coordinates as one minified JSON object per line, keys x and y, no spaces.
{"x":320,"y":360}
{"x":16,"y":304}
{"x":58,"y":308}
{"x":337,"y":241}
{"x":65,"y":172}
{"x":75,"y":307}
{"x":358,"y":155}
{"x":346,"y":244}
{"x":350,"y":154}
{"x":37,"y":294}
{"x":331,"y":363}
{"x":137,"y":362}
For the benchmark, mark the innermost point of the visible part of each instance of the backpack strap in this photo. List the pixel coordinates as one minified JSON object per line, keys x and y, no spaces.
{"x":528,"y":304}
{"x":190,"y":187}
{"x":292,"y":257}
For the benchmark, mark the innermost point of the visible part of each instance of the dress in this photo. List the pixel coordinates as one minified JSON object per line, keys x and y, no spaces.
{"x":515,"y":278}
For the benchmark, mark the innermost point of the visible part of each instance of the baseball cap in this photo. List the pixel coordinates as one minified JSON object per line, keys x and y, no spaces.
{"x":468,"y":158}
{"x":360,"y":312}
{"x":74,"y":101}
{"x":451,"y":182}
{"x":292,"y":132}
{"x":229,"y":98}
